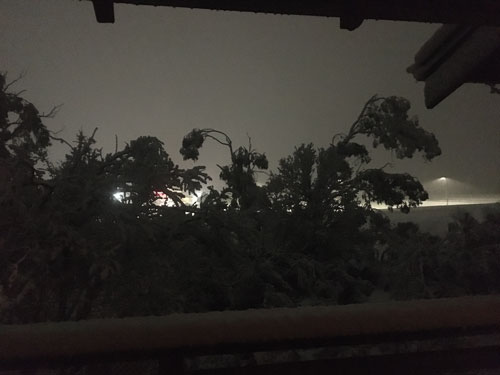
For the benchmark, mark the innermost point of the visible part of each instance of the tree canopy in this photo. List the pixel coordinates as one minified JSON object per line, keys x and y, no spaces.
{"x":309,"y":235}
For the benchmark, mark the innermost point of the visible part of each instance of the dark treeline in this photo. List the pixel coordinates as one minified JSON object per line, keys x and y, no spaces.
{"x":70,"y":250}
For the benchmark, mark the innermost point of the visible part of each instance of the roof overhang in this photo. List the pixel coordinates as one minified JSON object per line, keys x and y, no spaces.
{"x":454,"y":55}
{"x":351,"y":12}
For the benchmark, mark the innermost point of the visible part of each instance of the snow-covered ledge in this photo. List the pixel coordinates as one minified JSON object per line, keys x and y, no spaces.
{"x":270,"y":328}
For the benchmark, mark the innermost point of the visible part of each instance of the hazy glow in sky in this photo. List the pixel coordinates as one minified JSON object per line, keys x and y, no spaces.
{"x":189,"y":199}
{"x":283,"y":80}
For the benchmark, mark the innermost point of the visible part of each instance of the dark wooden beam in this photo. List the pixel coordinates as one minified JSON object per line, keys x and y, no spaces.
{"x":352,"y":12}
{"x":104,"y":11}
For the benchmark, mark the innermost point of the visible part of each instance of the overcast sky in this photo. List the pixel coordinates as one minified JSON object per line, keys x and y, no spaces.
{"x":283,"y":80}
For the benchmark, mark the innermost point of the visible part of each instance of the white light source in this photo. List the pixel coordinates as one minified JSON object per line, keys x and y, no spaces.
{"x":119,"y":196}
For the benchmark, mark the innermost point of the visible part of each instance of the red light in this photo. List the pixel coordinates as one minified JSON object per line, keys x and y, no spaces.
{"x":160,"y":194}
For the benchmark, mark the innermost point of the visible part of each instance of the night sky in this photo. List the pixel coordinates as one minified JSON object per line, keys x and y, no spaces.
{"x":282,"y":80}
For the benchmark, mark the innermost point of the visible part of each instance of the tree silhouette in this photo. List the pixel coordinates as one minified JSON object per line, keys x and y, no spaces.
{"x":239,"y":176}
{"x":308,"y":236}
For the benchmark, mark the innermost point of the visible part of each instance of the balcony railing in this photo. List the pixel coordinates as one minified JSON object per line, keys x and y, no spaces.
{"x":424,"y":336}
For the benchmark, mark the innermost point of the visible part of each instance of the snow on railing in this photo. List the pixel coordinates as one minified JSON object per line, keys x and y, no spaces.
{"x":251,"y":329}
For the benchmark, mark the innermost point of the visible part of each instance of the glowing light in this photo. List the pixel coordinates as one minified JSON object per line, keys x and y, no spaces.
{"x":161,"y":198}
{"x":445,"y":180}
{"x":119,"y":196}
{"x":160,"y":194}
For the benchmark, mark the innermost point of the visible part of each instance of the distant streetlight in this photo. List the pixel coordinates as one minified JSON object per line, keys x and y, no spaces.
{"x":445,"y":181}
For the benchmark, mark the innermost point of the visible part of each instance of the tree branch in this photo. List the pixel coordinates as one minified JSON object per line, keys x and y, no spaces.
{"x":52,"y":112}
{"x":216,"y":139}
{"x":249,"y":143}
{"x":337,"y":135}
{"x":62,"y":141}
{"x":11,"y":83}
{"x":353,"y":131}
{"x":228,"y":142}
{"x":91,"y":138}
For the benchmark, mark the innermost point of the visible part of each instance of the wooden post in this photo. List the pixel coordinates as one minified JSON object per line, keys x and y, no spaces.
{"x":104,"y":11}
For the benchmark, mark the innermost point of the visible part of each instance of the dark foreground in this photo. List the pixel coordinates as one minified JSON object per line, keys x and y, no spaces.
{"x":455,"y":335}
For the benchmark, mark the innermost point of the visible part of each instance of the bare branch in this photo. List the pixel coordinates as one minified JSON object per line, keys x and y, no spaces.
{"x":209,"y":130}
{"x":216,"y":139}
{"x":249,"y":143}
{"x":228,"y":143}
{"x":388,"y":164}
{"x":91,"y":138}
{"x":353,"y":130}
{"x":52,"y":112}
{"x":62,"y":141}
{"x":19,"y":77}
{"x":58,"y":131}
